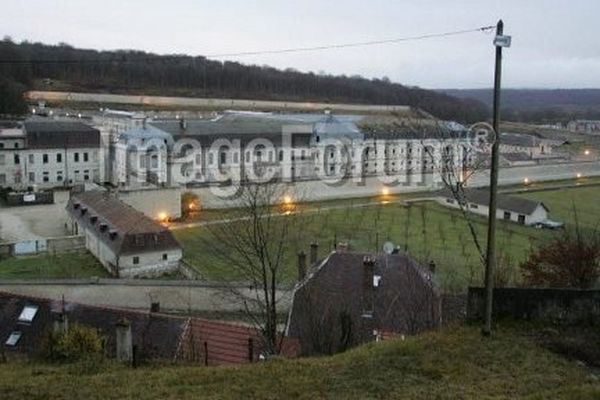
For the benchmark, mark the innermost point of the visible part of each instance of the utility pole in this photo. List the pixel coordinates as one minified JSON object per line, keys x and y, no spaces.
{"x":500,"y":41}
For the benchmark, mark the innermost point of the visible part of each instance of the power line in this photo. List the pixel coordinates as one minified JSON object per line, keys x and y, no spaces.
{"x":259,"y":52}
{"x":355,"y":44}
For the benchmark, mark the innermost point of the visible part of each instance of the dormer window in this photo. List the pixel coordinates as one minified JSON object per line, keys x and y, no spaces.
{"x":83,"y":210}
{"x":93,"y":219}
{"x":113,"y":234}
{"x":76,"y":206}
{"x":103,"y":227}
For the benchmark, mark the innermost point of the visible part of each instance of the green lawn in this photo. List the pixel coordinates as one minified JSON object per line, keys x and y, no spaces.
{"x":562,"y":204}
{"x":427,"y":231}
{"x":67,"y":265}
{"x":451,"y":364}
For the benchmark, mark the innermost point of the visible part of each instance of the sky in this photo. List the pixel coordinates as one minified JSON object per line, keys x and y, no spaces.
{"x":555,"y":43}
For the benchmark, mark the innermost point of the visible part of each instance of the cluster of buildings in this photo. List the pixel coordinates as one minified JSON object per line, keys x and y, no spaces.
{"x":590,"y":127}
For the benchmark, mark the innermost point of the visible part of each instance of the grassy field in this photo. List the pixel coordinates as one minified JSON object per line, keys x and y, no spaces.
{"x":427,"y":231}
{"x":67,"y":265}
{"x":450,"y":364}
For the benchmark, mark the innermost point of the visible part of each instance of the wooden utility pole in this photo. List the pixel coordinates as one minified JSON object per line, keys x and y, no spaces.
{"x":490,"y":260}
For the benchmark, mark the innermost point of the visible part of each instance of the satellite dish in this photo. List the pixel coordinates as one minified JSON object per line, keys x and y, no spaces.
{"x":388,"y":247}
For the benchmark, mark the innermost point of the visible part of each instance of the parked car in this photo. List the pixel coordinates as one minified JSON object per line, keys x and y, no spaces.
{"x":549,"y":225}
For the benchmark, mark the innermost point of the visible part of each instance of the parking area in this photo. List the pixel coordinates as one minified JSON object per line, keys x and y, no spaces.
{"x":39,"y":221}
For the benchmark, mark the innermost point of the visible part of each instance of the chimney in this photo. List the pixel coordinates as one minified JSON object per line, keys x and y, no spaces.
{"x":367,"y":284}
{"x":155,"y":307}
{"x":124,"y":341}
{"x":61,"y":323}
{"x":314,"y":252}
{"x":342,"y":247}
{"x":301,"y":266}
{"x":432,"y":267}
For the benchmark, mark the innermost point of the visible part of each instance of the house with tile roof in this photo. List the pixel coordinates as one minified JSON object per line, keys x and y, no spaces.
{"x":124,"y":240}
{"x":352,"y":298}
{"x":26,"y":322}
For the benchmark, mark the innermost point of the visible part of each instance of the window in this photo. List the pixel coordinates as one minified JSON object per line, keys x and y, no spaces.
{"x":2,"y":159}
{"x":2,"y":179}
{"x":247,"y":156}
{"x":473,"y":206}
{"x":45,"y":158}
{"x":136,"y":260}
{"x":59,"y":176}
{"x":31,"y":159}
{"x":85,"y":157}
{"x":13,"y":339}
{"x":28,"y":313}
{"x":17,"y":159}
{"x":506,"y":215}
{"x":210,"y":158}
{"x":1,"y":145}
{"x":32,"y":177}
{"x":449,"y":201}
{"x":58,"y":157}
{"x":521,"y":219}
{"x":139,"y":240}
{"x":86,"y":175}
{"x":165,"y":256}
{"x":223,"y":157}
{"x":280,"y":155}
{"x":16,"y":145}
{"x":76,"y":157}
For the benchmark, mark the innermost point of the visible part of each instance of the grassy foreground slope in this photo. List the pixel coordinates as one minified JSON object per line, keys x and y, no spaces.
{"x":453,"y":363}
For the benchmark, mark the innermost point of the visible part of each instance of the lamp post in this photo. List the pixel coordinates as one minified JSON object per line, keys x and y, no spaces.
{"x":500,"y":41}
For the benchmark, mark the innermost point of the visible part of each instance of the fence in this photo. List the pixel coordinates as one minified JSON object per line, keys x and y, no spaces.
{"x":26,"y":199}
{"x":563,"y":306}
{"x":54,"y":245}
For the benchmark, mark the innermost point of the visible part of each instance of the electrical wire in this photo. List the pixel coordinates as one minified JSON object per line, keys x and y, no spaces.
{"x":259,"y":52}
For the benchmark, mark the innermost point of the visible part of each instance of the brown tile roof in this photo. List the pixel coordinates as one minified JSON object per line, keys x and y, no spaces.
{"x":155,"y":335}
{"x":127,"y":229}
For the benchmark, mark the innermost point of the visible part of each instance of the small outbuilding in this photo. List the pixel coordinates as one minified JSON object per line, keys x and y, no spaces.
{"x":509,"y":208}
{"x":124,"y":240}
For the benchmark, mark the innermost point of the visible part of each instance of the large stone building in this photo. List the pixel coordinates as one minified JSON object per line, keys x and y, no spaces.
{"x":125,"y":241}
{"x":234,"y":146}
{"x":49,"y":154}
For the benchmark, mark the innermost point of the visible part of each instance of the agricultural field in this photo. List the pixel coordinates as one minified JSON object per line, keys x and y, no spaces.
{"x":425,"y":230}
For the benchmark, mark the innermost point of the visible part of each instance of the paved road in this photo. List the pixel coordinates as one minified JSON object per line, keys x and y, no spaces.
{"x":184,"y":296}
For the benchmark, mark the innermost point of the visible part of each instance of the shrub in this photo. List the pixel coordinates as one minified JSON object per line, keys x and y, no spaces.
{"x":571,"y":259}
{"x":78,"y":343}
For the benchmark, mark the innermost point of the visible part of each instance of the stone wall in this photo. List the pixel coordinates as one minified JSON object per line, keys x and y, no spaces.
{"x":563,"y":306}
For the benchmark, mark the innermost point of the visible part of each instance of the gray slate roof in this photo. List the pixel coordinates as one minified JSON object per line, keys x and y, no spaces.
{"x":509,"y":203}
{"x":59,"y":135}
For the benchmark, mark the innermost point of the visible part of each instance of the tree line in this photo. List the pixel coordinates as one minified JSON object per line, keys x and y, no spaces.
{"x":63,"y":67}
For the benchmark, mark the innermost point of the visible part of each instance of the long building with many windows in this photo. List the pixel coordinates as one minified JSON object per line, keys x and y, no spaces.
{"x":49,"y":154}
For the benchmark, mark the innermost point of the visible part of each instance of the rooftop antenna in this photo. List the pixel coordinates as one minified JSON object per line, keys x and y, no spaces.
{"x":388,"y":247}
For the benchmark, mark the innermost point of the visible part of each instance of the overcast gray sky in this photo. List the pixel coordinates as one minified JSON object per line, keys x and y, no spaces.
{"x":556,"y":43}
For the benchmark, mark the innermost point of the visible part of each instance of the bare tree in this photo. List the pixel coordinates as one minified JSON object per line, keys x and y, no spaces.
{"x":252,"y":244}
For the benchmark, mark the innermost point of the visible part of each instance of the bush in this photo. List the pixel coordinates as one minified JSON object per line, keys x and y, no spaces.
{"x":572,"y":259}
{"x":78,"y":343}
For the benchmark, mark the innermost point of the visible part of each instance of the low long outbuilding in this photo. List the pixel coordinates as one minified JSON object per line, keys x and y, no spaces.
{"x":125,"y":241}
